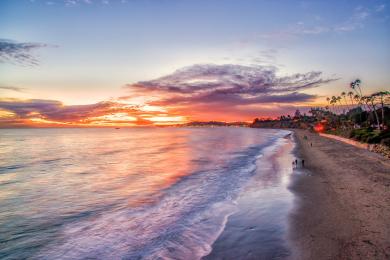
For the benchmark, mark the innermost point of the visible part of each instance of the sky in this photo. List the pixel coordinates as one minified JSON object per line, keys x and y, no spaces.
{"x":156,"y":62}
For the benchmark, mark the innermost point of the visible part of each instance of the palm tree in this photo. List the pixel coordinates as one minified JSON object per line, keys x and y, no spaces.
{"x":343,"y":94}
{"x":382,"y":95}
{"x":371,"y":99}
{"x":359,"y":102}
{"x":338,"y":99}
{"x":356,"y":85}
{"x":350,"y":94}
{"x":333,"y":101}
{"x":362,"y":102}
{"x":328,"y":100}
{"x":369,"y":102}
{"x":358,"y":99}
{"x":352,"y":85}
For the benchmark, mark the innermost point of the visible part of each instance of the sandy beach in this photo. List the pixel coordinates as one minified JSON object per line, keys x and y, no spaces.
{"x":343,"y":201}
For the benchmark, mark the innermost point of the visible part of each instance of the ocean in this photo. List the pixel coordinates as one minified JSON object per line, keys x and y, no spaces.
{"x":144,"y":193}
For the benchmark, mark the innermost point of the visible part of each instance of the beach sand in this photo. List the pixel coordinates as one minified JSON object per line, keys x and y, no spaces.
{"x":343,"y":201}
{"x":258,"y":229}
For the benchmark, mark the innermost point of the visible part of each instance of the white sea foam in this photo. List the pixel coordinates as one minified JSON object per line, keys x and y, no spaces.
{"x":141,"y":203}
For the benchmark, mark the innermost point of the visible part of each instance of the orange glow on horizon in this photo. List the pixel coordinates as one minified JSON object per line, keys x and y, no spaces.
{"x":122,"y":113}
{"x":162,"y":119}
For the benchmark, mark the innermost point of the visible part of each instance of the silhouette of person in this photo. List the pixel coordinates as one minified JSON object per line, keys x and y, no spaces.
{"x":311,"y":144}
{"x":303,"y":163}
{"x":296,"y":162}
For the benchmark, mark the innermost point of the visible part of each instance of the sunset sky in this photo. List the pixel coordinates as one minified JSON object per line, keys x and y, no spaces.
{"x":153,"y":62}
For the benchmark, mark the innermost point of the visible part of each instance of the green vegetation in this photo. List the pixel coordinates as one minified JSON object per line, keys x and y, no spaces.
{"x":365,"y":118}
{"x":371,"y":136}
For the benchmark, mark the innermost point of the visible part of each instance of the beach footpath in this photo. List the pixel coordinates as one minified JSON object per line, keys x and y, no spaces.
{"x":342,"y":207}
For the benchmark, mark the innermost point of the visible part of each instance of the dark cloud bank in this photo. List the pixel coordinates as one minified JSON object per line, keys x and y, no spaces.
{"x":230,"y":85}
{"x":53,"y":109}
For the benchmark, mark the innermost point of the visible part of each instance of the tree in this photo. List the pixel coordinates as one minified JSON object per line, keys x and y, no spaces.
{"x":328,"y":100}
{"x":382,"y":96}
{"x":338,"y":98}
{"x":297,"y":114}
{"x":350,"y":94}
{"x":355,"y":85}
{"x":357,"y":99}
{"x":371,"y":99}
{"x":344,"y":95}
{"x":333,"y":101}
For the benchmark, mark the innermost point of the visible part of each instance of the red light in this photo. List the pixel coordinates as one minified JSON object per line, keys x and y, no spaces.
{"x":319,"y":128}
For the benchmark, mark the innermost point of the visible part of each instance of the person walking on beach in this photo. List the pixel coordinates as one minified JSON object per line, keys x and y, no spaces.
{"x":303,"y":163}
{"x":296,"y":162}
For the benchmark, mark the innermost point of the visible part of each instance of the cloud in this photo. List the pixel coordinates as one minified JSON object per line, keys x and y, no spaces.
{"x":355,"y":20}
{"x":17,"y":89}
{"x":75,"y":2}
{"x":197,"y":92}
{"x":53,"y":111}
{"x":380,"y":8}
{"x":71,"y":3}
{"x":229,"y":86}
{"x":20,"y":53}
{"x":22,"y":108}
{"x":230,"y":100}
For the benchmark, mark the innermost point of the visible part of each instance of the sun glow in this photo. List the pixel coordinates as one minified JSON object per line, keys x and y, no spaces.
{"x":148,"y":108}
{"x":167,"y":119}
{"x":115,"y":117}
{"x":39,"y":120}
{"x":6,"y":114}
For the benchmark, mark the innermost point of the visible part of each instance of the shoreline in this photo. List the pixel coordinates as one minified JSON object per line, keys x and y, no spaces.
{"x":258,"y":228}
{"x":342,"y":203}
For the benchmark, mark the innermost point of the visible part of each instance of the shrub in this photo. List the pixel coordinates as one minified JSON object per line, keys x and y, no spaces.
{"x":368,"y":135}
{"x":386,"y":141}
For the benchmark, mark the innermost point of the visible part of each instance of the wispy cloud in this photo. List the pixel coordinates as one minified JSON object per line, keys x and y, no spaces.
{"x":20,"y":53}
{"x":355,"y":20}
{"x":16,"y":89}
{"x":71,"y":3}
{"x":75,"y":2}
{"x":380,"y":8}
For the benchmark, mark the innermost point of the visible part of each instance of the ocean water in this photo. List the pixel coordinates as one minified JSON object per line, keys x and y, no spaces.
{"x":141,"y":193}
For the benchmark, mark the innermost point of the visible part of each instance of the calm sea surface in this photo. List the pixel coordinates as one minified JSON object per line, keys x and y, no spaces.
{"x":139,"y":193}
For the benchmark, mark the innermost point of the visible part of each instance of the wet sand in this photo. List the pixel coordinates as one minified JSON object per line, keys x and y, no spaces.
{"x":258,"y":228}
{"x":342,"y":202}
